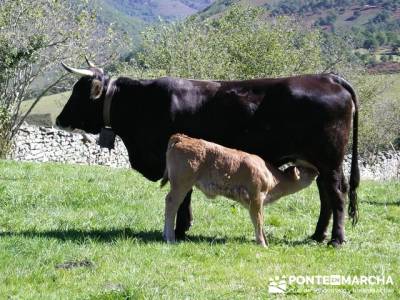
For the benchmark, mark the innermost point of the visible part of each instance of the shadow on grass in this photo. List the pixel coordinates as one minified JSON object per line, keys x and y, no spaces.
{"x":293,"y":243}
{"x":146,"y":237}
{"x":391,"y":203}
{"x":108,"y":236}
{"x":76,"y":235}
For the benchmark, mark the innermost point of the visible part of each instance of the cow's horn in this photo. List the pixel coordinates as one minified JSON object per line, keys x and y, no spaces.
{"x":82,"y":72}
{"x":90,"y":64}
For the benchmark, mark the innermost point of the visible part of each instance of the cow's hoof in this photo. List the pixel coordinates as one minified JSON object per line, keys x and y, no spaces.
{"x":335,"y":243}
{"x":318,"y":237}
{"x":180,"y":235}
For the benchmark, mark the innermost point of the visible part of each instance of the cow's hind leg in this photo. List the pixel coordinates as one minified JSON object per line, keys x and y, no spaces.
{"x":256,"y":211}
{"x":324,"y":214}
{"x":334,"y":191}
{"x":339,"y":192}
{"x":172,"y":201}
{"x":184,"y":218}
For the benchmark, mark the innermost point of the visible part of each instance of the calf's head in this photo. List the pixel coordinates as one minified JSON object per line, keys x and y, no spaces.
{"x":299,"y":177}
{"x":292,"y":180}
{"x":84,"y":109}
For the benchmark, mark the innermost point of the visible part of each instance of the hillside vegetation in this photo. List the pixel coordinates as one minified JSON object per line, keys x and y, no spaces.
{"x":149,"y":11}
{"x":372,"y":23}
{"x":77,"y":232}
{"x":133,"y":15}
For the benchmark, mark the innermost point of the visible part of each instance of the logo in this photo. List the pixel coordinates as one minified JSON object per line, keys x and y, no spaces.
{"x":280,"y":284}
{"x":277,"y":285}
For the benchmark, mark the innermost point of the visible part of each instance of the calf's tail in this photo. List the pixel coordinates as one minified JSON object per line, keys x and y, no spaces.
{"x":173,"y":140}
{"x":354,"y":170}
{"x":165,"y":179}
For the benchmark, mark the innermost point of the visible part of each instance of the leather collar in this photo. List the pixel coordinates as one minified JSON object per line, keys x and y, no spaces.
{"x":107,"y":103}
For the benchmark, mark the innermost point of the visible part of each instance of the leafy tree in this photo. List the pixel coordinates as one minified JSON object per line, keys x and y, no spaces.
{"x":381,"y":38}
{"x":34,"y":37}
{"x":238,"y":45}
{"x":381,"y":17}
{"x":371,"y":43}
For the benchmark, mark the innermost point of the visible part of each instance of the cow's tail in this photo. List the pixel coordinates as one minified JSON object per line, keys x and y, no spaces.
{"x":354,"y":171}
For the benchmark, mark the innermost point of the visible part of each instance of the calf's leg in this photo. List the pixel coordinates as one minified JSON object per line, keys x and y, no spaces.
{"x":184,"y":218}
{"x":172,"y":201}
{"x":256,"y":210}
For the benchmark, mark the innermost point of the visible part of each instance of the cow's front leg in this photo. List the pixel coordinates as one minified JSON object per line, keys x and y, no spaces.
{"x":184,"y":218}
{"x":324,"y":214}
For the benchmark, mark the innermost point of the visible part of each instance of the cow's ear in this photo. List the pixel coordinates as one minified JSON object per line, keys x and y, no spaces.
{"x":96,"y":90}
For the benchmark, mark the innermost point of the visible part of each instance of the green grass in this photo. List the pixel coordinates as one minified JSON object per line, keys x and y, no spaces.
{"x":76,"y":232}
{"x":394,"y":91}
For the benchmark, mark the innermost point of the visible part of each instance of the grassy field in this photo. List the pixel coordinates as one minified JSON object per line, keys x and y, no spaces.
{"x":49,"y":105}
{"x":76,"y":232}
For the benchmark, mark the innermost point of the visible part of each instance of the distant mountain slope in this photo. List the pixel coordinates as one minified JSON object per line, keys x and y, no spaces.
{"x":150,"y":10}
{"x":133,"y":15}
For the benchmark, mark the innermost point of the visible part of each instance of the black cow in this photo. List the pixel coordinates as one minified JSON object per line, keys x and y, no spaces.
{"x":303,"y":119}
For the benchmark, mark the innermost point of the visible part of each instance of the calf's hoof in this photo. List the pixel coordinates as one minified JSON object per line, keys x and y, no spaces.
{"x":263,"y":245}
{"x":169,"y":239}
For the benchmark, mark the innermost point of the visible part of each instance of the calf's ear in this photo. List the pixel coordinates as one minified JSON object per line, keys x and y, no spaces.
{"x":96,"y":90}
{"x":296,"y":173}
{"x":293,"y":173}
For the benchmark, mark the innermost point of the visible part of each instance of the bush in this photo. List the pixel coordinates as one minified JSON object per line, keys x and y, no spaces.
{"x":379,"y":112}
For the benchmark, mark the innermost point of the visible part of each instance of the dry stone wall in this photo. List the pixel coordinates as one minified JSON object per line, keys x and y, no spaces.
{"x":44,"y":144}
{"x":377,"y":166}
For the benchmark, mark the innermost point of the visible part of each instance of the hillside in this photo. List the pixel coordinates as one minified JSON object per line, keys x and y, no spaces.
{"x":133,"y":15}
{"x":47,"y":109}
{"x":150,"y":10}
{"x":373,"y":23}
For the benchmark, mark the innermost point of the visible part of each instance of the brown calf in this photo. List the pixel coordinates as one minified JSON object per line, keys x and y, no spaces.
{"x":217,"y":170}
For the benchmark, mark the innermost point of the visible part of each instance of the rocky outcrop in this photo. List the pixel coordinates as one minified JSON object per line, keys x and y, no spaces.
{"x":46,"y":144}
